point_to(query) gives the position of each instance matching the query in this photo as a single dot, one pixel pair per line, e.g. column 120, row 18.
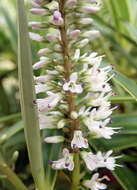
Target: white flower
column 57, row 18
column 78, row 141
column 100, row 99
column 93, row 59
column 64, row 163
column 76, row 55
column 98, row 78
column 100, row 160
column 108, row 161
column 54, row 139
column 102, row 112
column 98, row 128
column 49, row 102
column 36, row 37
column 46, row 122
column 72, row 86
column 40, row 88
column 83, row 112
column 91, row 160
column 94, row 183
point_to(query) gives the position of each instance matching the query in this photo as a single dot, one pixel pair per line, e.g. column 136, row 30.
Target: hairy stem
column 70, row 97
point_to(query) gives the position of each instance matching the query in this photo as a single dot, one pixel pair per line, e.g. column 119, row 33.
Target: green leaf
column 11, row 132
column 10, row 117
column 121, row 99
column 11, row 27
column 131, row 29
column 128, row 121
column 118, row 142
column 122, row 9
column 29, row 110
column 127, row 84
column 126, row 178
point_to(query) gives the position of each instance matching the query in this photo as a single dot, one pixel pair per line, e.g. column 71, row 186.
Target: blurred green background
column 117, row 22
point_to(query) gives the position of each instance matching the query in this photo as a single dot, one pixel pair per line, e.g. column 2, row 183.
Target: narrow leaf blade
column 29, row 110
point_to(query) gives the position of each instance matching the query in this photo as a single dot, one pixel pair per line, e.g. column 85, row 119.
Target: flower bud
column 57, row 19
column 54, row 139
column 60, row 68
column 44, row 51
column 57, row 48
column 51, row 37
column 86, row 21
column 34, row 4
column 74, row 115
column 61, row 124
column 90, row 9
column 39, row 11
column 71, row 3
column 39, row 1
column 74, row 34
column 36, row 37
column 43, row 79
column 91, row 1
column 43, row 61
column 83, row 43
column 92, row 34
column 35, row 25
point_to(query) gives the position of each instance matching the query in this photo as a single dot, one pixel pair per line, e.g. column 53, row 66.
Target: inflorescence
column 74, row 85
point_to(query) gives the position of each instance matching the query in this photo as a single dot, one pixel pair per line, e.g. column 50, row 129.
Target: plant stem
column 76, row 172
column 70, row 96
column 12, row 177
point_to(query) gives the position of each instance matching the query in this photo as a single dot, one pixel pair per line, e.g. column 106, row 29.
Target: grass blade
column 29, row 110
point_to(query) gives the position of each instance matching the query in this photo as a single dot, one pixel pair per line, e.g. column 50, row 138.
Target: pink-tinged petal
column 65, row 152
column 74, row 77
column 57, row 19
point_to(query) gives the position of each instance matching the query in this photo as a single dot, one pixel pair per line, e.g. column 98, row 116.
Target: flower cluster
column 74, row 86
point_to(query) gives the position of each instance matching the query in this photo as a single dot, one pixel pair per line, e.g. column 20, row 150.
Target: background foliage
column 117, row 23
